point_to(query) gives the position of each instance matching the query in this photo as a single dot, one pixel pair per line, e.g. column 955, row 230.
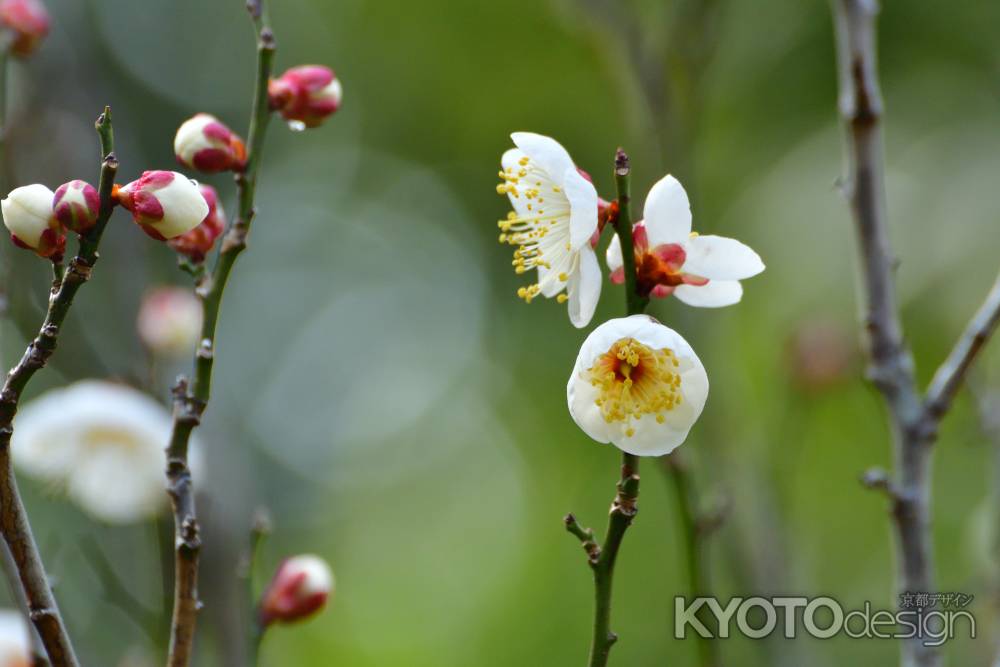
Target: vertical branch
column 623, row 509
column 42, row 608
column 190, row 400
column 890, row 362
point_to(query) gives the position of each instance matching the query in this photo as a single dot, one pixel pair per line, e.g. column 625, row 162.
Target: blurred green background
column 381, row 389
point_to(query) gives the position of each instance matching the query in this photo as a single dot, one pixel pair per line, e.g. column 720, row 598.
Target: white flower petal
column 15, row 639
column 546, row 152
column 667, row 213
column 649, row 437
column 27, row 212
column 721, row 258
column 613, row 255
column 716, row 294
column 584, row 288
column 583, row 208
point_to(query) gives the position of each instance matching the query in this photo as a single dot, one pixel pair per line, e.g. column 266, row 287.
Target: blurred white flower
column 15, row 640
column 103, row 442
column 554, row 218
column 670, row 259
column 637, row 384
column 169, row 321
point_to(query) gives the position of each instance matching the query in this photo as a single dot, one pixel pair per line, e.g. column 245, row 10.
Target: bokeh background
column 382, row 391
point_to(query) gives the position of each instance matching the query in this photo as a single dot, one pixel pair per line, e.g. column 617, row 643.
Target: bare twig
column 43, row 611
column 949, row 376
column 191, row 400
column 116, row 593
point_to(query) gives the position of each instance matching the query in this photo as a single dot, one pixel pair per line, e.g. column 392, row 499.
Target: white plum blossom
column 638, row 385
column 15, row 640
column 104, row 443
column 554, row 219
column 670, row 259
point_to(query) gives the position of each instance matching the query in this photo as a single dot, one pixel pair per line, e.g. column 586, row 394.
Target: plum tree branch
column 42, row 608
column 191, row 399
column 623, row 509
column 914, row 419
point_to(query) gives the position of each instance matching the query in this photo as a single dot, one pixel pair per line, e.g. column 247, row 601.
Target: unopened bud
column 28, row 20
column 198, row 242
column 299, row 589
column 164, row 204
column 169, row 321
column 306, row 94
column 202, row 142
column 27, row 212
column 76, row 205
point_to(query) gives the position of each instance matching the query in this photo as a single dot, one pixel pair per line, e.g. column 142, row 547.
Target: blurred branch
column 116, row 592
column 259, row 530
column 949, row 376
column 623, row 508
column 43, row 611
column 191, row 400
column 696, row 527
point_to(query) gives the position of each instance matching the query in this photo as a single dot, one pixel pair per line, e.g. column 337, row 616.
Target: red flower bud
column 299, row 589
column 202, row 142
column 198, row 242
column 28, row 20
column 306, row 94
column 76, row 205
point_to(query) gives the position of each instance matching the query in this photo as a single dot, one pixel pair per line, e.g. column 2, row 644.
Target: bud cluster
column 37, row 218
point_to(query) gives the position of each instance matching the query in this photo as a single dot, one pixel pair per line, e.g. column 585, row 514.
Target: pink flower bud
column 164, row 204
column 169, row 321
column 202, row 142
column 199, row 241
column 299, row 589
column 306, row 94
column 28, row 20
column 27, row 212
column 76, row 205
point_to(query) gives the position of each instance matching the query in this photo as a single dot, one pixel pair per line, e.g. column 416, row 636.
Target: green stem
column 44, row 612
column 634, row 302
column 190, row 400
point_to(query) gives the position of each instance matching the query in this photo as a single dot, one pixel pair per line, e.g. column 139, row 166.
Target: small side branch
column 42, row 608
column 950, row 375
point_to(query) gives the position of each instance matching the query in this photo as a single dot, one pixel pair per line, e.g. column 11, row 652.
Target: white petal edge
column 716, row 294
column 667, row 213
column 583, row 208
column 546, row 152
column 613, row 255
column 584, row 289
column 721, row 258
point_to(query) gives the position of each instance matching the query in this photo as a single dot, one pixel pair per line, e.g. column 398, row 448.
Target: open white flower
column 670, row 259
column 554, row 218
column 103, row 442
column 637, row 384
column 15, row 640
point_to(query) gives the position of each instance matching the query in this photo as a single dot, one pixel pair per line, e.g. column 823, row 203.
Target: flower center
column 635, row 380
column 539, row 228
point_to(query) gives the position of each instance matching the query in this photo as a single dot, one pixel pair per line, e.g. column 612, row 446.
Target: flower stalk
column 191, row 399
column 42, row 607
column 602, row 557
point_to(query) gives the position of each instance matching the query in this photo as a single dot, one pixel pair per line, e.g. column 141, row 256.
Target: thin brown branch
column 190, row 401
column 42, row 608
column 950, row 375
column 890, row 361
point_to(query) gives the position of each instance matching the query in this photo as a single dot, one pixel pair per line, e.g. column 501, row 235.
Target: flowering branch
column 914, row 418
column 190, row 400
column 43, row 611
column 623, row 509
